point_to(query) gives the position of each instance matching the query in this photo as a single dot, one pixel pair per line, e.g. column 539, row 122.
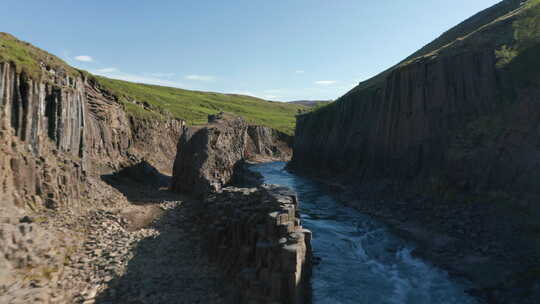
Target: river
column 361, row 261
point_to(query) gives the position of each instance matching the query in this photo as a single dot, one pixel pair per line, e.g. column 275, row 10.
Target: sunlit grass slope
column 156, row 102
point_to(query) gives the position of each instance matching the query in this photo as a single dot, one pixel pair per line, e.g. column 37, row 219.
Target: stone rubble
column 104, row 258
column 156, row 264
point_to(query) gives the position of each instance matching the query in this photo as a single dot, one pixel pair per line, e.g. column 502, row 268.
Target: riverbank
column 483, row 243
column 148, row 250
column 358, row 258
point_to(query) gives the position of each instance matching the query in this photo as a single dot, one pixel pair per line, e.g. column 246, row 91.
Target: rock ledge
column 256, row 236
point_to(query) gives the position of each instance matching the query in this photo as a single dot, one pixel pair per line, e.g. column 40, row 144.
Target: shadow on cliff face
column 168, row 266
column 164, row 262
column 138, row 181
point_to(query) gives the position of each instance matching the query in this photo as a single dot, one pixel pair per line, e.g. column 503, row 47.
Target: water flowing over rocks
column 256, row 236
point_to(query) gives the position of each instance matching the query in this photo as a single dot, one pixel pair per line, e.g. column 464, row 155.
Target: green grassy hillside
column 311, row 103
column 29, row 58
column 153, row 101
column 459, row 36
column 194, row 106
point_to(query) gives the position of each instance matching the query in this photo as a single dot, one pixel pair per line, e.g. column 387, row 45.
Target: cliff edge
column 211, row 157
column 447, row 141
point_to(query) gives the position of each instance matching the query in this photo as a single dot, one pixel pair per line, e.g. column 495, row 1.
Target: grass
column 151, row 101
column 195, row 106
column 28, row 59
column 505, row 55
column 526, row 30
column 478, row 32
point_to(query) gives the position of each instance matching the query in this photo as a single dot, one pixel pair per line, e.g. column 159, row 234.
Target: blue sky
column 279, row 50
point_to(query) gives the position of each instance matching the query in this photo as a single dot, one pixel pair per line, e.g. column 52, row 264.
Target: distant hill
column 310, row 103
column 153, row 100
column 195, row 106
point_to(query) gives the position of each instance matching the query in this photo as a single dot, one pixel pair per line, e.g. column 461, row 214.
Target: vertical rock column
column 256, row 236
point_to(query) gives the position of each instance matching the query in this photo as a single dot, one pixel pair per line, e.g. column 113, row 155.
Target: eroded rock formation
column 58, row 129
column 255, row 234
column 58, row 132
column 453, row 116
column 447, row 141
column 209, row 156
column 267, row 144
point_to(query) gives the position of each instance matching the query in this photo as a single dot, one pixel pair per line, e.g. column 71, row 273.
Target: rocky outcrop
column 58, row 129
column 209, row 156
column 253, row 233
column 256, row 236
column 58, row 133
column 454, row 117
column 447, row 142
column 267, row 144
column 118, row 139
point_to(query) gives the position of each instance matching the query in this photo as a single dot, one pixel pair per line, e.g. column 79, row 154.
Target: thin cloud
column 162, row 74
column 200, row 77
column 299, row 71
column 117, row 74
column 248, row 93
column 326, row 82
column 270, row 97
column 106, row 70
column 84, row 58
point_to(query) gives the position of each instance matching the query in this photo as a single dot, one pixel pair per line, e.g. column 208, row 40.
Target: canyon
column 75, row 168
column 108, row 194
column 444, row 147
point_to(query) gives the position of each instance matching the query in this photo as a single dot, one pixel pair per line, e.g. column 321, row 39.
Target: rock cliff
column 267, row 144
column 255, row 234
column 65, row 135
column 447, row 142
column 452, row 116
column 209, row 156
column 58, row 132
column 57, row 129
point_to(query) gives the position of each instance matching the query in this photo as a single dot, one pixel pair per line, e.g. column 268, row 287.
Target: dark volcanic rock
column 451, row 130
column 452, row 117
column 145, row 174
column 208, row 155
column 212, row 156
column 404, row 128
column 264, row 143
column 57, row 132
column 255, row 234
